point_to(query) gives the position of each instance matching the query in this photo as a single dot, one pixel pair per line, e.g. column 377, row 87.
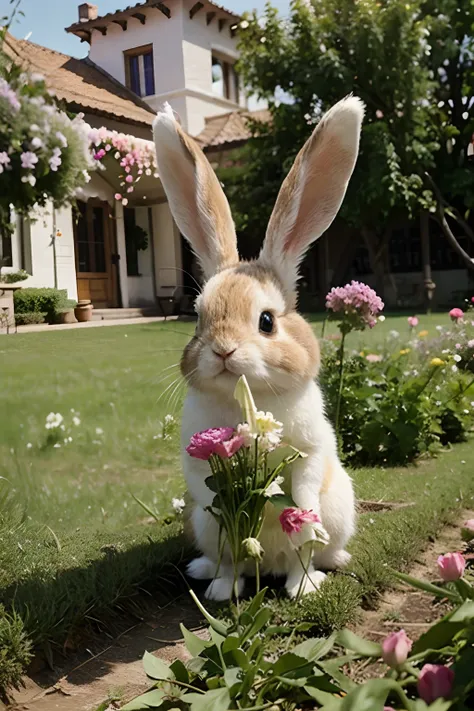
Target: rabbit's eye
column 266, row 323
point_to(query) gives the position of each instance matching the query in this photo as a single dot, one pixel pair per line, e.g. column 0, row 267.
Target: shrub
column 14, row 277
column 15, row 650
column 30, row 317
column 44, row 300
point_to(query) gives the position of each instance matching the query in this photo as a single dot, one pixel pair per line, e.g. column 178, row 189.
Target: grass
column 75, row 544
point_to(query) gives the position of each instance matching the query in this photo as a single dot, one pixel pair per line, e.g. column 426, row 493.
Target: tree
column 382, row 51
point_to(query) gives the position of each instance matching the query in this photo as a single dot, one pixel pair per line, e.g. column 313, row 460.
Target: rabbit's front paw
column 202, row 568
column 304, row 584
column 221, row 588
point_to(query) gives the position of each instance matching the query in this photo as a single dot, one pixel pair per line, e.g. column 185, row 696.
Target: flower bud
column 252, row 548
column 435, row 682
column 395, row 648
column 451, row 566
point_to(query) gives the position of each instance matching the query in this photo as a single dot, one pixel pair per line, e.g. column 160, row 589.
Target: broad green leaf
column 363, row 647
column 233, row 679
column 231, row 642
column 292, row 682
column 260, row 620
column 316, row 648
column 257, row 602
column 194, row 644
column 370, row 696
column 156, row 668
column 427, row 587
column 216, row 625
column 217, row 638
column 441, row 634
column 289, row 662
column 240, row 658
column 281, row 501
column 214, row 700
column 150, row 700
column 179, row 670
column 328, row 701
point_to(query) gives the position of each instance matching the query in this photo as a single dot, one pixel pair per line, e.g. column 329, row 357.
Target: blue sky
column 46, row 19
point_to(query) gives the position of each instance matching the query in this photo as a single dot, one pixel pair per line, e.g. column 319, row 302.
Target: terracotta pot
column 66, row 316
column 83, row 310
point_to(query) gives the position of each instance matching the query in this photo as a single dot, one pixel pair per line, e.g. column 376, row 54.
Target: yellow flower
column 423, row 334
column 437, row 362
column 404, row 351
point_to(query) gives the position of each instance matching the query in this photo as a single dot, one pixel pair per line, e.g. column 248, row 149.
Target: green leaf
column 313, row 649
column 329, row 701
column 214, row 700
column 257, row 602
column 156, row 668
column 150, row 700
column 233, row 679
column 289, row 662
column 216, row 625
column 282, row 501
column 217, row 638
column 370, row 696
column 427, row 587
column 194, row 644
column 300, row 681
column 179, row 670
column 363, row 647
column 441, row 634
column 260, row 620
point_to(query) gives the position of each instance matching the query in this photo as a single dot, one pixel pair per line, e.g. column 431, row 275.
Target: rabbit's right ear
column 196, row 199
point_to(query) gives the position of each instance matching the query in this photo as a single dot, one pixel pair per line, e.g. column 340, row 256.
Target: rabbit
column 248, row 324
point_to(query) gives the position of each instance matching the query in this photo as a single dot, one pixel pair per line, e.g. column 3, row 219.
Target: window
column 131, row 246
column 139, row 70
column 225, row 80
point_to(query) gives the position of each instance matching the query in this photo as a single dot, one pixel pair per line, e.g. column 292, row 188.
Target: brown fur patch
column 328, row 475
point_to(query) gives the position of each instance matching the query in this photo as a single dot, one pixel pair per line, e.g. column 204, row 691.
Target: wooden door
column 93, row 241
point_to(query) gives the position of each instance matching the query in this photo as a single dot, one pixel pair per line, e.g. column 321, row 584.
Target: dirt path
column 117, row 672
column 114, row 672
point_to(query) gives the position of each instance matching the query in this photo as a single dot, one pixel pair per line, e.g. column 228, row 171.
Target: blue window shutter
column 149, row 73
column 135, row 75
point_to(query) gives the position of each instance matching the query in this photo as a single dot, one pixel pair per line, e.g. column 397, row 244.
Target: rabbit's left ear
column 313, row 190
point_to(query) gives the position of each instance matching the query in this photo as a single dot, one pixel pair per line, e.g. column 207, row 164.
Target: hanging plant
column 137, row 236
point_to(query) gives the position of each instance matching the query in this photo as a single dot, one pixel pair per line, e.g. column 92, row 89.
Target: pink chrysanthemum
column 293, row 519
column 355, row 303
column 204, row 444
column 456, row 314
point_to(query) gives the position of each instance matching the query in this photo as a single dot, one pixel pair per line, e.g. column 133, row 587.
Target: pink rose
column 129, row 179
column 99, row 155
column 229, row 447
column 203, row 444
column 467, row 531
column 451, row 566
column 413, row 321
column 472, row 299
column 118, row 196
column 292, row 519
column 435, row 682
column 373, row 358
column 456, row 314
column 395, row 648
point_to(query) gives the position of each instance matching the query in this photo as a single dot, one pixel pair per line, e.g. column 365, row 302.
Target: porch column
column 122, row 252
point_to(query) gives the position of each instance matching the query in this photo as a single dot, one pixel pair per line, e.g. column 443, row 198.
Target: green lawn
column 75, row 543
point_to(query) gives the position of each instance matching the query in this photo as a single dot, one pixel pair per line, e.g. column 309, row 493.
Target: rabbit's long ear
column 313, row 190
column 196, row 199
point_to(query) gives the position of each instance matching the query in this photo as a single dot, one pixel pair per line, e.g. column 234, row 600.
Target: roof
column 83, row 28
column 229, row 129
column 80, row 83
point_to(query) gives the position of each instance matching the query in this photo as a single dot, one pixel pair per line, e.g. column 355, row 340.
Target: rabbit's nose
column 224, row 355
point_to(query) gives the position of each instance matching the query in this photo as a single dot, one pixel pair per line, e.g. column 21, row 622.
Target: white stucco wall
column 167, row 247
column 141, row 290
column 39, row 252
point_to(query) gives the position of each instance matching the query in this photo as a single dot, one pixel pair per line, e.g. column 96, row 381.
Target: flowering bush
column 135, row 157
column 354, row 305
column 234, row 666
column 44, row 155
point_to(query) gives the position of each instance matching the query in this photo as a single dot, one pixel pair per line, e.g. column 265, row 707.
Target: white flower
column 438, row 388
column 57, row 445
column 244, row 24
column 37, row 142
column 178, row 505
column 466, row 412
column 394, row 334
column 169, row 420
column 310, row 533
column 382, row 318
column 454, row 368
column 457, row 358
column 445, row 350
column 438, row 403
column 99, row 431
column 244, row 431
column 252, row 548
column 29, row 445
column 76, row 421
column 274, row 489
column 439, row 328
column 53, row 420
column 29, row 179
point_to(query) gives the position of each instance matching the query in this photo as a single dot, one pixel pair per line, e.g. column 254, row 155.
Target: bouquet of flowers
column 247, row 466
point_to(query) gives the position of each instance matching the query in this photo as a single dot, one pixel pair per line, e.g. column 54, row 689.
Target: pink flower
column 7, row 93
column 55, row 160
column 99, row 155
column 379, row 114
column 467, row 531
column 373, row 358
column 203, row 444
column 118, row 196
column 472, row 299
column 229, row 447
column 356, row 303
column 435, row 682
column 129, row 179
column 470, row 344
column 28, row 160
column 4, row 160
column 413, row 321
column 292, row 519
column 451, row 566
column 395, row 648
column 456, row 314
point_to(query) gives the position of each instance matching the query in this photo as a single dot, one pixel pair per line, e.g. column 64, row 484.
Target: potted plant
column 83, row 310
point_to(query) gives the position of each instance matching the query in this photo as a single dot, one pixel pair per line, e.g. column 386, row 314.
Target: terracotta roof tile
column 228, row 129
column 80, row 82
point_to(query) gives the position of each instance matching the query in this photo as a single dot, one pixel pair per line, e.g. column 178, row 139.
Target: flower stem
column 257, row 576
column 341, row 380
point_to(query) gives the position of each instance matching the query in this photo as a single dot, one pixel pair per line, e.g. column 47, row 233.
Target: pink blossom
column 379, row 114
column 118, row 196
column 130, row 190
column 203, row 444
column 470, row 343
column 457, row 346
column 355, row 302
column 28, row 160
column 129, row 179
column 373, row 358
column 99, row 155
column 4, row 160
column 456, row 314
column 55, row 160
column 435, row 682
column 9, row 94
column 293, row 519
column 413, row 321
column 395, row 648
column 62, row 139
column 451, row 566
column 229, row 447
column 472, row 299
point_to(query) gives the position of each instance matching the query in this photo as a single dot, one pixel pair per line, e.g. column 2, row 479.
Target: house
column 179, row 51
